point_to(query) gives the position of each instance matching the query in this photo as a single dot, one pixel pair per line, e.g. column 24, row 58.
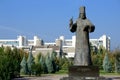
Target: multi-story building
column 61, row 45
column 38, row 45
column 68, row 45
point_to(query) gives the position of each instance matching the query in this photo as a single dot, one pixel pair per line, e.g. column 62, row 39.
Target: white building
column 67, row 45
column 102, row 41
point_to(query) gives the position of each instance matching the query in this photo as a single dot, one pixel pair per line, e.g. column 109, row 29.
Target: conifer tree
column 30, row 62
column 43, row 65
column 107, row 66
column 53, row 58
column 117, row 65
column 23, row 64
column 117, row 61
column 37, row 59
column 49, row 64
column 9, row 63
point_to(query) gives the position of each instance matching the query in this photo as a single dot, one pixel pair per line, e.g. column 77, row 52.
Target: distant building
column 61, row 45
column 102, row 41
column 68, row 45
column 38, row 45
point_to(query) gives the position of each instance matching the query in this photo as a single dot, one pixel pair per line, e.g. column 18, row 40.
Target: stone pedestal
column 83, row 73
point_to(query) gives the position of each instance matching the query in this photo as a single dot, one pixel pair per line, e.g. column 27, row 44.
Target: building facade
column 68, row 45
column 61, row 45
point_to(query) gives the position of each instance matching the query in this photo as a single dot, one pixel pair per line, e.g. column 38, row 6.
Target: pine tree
column 117, row 66
column 49, row 64
column 43, row 65
column 66, row 63
column 107, row 66
column 30, row 62
column 36, row 69
column 53, row 58
column 23, row 64
column 9, row 63
column 117, row 61
column 37, row 59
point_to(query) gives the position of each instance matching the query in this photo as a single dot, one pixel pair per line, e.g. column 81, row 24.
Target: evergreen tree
column 49, row 64
column 43, row 65
column 16, row 60
column 61, row 62
column 117, row 65
column 23, row 64
column 37, row 59
column 53, row 58
column 9, row 63
column 30, row 62
column 36, row 69
column 117, row 61
column 98, row 56
column 107, row 66
column 66, row 63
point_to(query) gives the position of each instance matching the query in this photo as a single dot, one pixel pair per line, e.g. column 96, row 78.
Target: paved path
column 47, row 77
column 57, row 77
column 112, row 77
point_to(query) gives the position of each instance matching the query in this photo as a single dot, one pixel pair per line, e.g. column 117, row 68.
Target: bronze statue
column 82, row 49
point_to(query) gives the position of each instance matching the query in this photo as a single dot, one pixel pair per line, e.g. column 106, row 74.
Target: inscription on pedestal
column 84, row 71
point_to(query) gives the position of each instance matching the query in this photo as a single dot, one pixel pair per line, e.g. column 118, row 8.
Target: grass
column 101, row 73
column 65, row 72
column 105, row 73
column 62, row 72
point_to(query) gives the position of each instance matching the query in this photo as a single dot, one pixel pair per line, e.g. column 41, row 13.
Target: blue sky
column 49, row 19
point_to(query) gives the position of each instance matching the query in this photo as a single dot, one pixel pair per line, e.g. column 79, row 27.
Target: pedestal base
column 83, row 73
column 84, row 78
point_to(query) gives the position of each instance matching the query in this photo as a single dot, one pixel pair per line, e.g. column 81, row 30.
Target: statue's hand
column 72, row 25
column 71, row 22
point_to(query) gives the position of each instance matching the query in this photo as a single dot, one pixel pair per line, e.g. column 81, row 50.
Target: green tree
column 66, row 63
column 16, row 61
column 30, row 62
column 36, row 68
column 5, row 68
column 38, row 57
column 97, row 60
column 49, row 64
column 101, row 50
column 117, row 60
column 107, row 66
column 22, row 53
column 54, row 58
column 43, row 65
column 97, row 57
column 9, row 63
column 24, row 68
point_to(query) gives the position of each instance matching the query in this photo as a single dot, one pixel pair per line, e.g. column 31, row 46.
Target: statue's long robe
column 82, row 48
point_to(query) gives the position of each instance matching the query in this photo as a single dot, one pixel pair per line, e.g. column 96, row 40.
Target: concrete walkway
column 57, row 77
column 43, row 77
column 112, row 77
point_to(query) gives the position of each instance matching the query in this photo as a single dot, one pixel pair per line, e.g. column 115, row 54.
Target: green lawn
column 62, row 72
column 112, row 73
column 101, row 72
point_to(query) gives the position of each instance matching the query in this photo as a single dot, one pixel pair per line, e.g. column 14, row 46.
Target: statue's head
column 82, row 14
